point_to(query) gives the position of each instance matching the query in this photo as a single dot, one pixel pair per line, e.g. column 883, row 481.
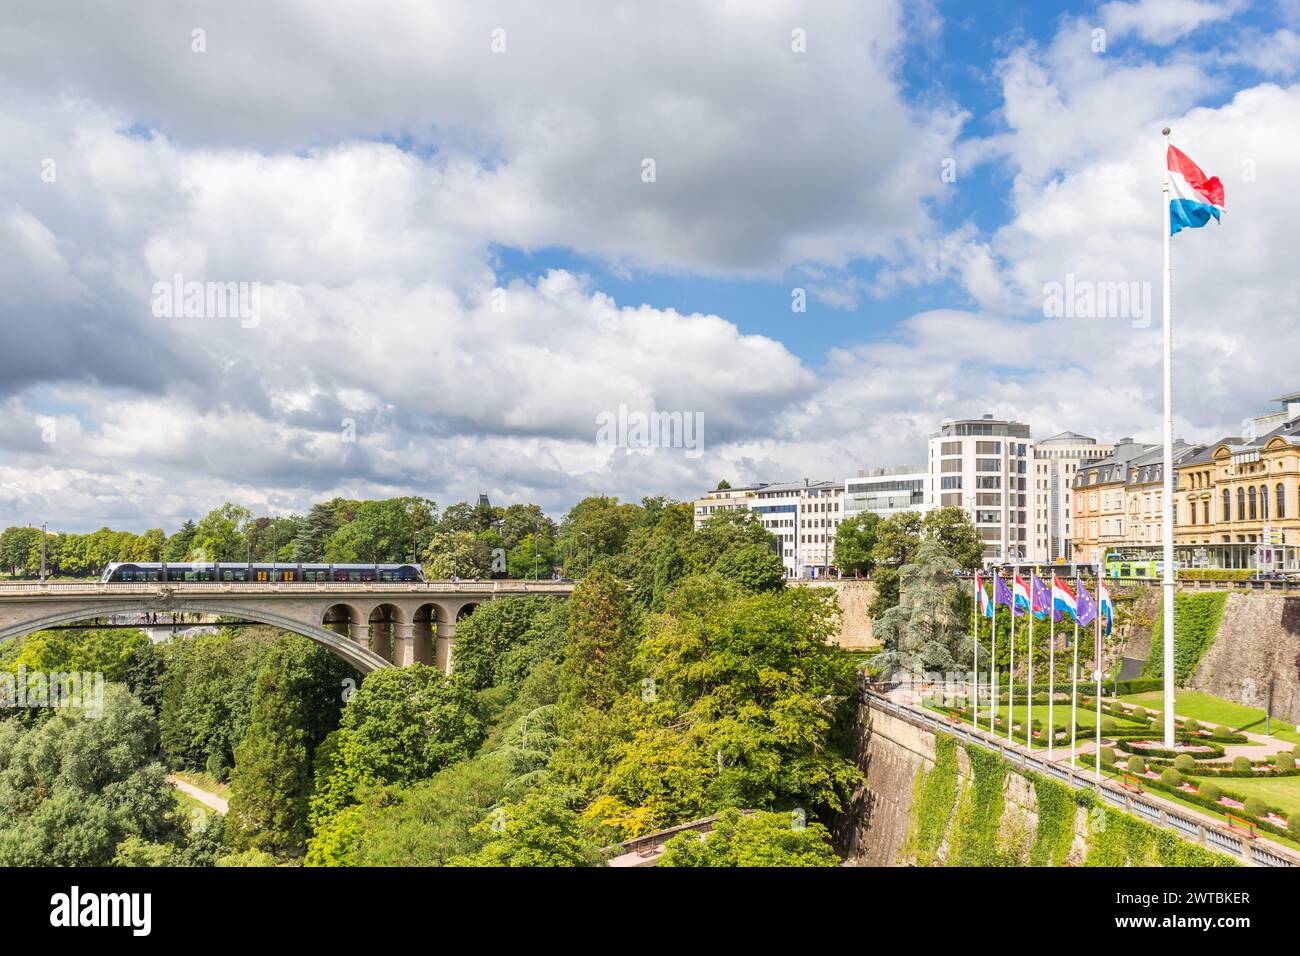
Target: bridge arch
column 360, row 657
column 385, row 624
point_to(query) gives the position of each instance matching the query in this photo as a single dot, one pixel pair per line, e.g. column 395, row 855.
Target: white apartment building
column 1056, row 462
column 984, row 465
column 888, row 491
column 804, row 516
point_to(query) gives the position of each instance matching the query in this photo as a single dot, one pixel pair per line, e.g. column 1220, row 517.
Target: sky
column 467, row 233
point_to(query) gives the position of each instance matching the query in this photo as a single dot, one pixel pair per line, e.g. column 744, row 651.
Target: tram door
column 263, row 576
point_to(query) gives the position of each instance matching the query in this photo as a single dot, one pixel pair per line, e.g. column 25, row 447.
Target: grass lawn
column 1209, row 709
column 1061, row 715
column 1280, row 792
column 1227, row 783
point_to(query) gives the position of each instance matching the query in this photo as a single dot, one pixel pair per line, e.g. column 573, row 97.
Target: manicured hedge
column 1215, row 752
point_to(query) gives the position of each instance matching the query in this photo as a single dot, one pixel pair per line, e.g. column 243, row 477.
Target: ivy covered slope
column 1196, row 625
column 968, row 821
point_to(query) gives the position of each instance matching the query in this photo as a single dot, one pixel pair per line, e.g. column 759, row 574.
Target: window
column 988, row 448
column 1263, row 502
column 1227, row 505
column 988, row 464
column 1281, row 500
column 1205, row 512
column 950, row 448
column 1241, row 504
column 1254, row 513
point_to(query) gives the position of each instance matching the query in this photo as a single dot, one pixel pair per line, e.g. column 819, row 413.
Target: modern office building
column 887, row 491
column 984, row 465
column 804, row 516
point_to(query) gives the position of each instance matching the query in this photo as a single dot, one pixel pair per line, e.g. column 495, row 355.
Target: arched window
column 1263, row 502
column 1253, row 513
column 1241, row 504
column 1281, row 500
column 1205, row 511
column 1227, row 505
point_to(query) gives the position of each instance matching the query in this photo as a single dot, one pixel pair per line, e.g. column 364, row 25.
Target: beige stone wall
column 853, row 597
column 1259, row 637
column 891, row 752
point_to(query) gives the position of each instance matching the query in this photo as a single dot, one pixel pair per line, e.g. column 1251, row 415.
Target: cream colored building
column 1056, row 463
column 1244, row 491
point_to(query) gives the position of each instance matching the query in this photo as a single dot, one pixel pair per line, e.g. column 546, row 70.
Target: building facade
column 984, row 466
column 887, row 491
column 1118, row 501
column 1239, row 499
column 804, row 516
column 1056, row 463
column 723, row 499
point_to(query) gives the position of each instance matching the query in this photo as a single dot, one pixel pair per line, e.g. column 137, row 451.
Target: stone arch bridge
column 368, row 625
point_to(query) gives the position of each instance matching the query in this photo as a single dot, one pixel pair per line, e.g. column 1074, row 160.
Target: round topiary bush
column 1156, row 726
column 1171, row 777
column 1284, row 761
column 1185, row 763
column 1136, row 764
column 1192, row 727
column 1107, row 725
column 1222, row 731
column 1211, row 791
column 1108, row 756
column 1241, row 764
column 1293, row 826
column 1139, row 714
column 1255, row 807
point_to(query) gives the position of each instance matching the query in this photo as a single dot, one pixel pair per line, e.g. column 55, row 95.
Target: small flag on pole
column 1002, row 594
column 1042, row 597
column 1021, row 595
column 1062, row 598
column 985, row 605
column 1107, row 609
column 1087, row 606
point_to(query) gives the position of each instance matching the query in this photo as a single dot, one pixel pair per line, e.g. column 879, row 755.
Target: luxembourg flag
column 1020, row 591
column 985, row 605
column 1103, row 599
column 1193, row 198
column 1062, row 597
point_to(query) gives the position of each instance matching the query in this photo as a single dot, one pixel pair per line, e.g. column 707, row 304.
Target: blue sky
column 455, row 249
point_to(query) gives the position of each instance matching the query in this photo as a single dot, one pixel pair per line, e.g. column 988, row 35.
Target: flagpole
column 1074, row 677
column 993, row 645
column 1029, row 694
column 1096, row 647
column 1051, row 667
column 975, row 668
column 1167, row 516
column 1011, row 671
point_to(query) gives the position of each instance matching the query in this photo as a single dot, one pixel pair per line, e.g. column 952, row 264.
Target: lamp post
column 43, row 533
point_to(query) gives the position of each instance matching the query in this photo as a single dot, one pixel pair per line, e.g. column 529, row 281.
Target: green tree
column 758, row 839
column 271, row 779
column 538, row 831
column 222, row 534
column 855, row 541
column 410, row 722
column 925, row 630
column 602, row 639
column 953, row 530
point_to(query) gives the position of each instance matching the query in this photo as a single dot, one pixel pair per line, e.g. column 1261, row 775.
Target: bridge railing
column 1191, row 827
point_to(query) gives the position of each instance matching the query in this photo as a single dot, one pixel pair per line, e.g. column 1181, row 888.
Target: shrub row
column 1214, row 753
